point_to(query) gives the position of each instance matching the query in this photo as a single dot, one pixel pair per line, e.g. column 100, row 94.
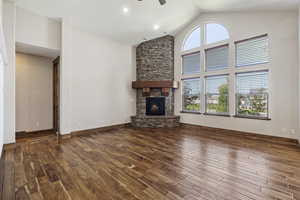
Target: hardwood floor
column 161, row 164
column 36, row 135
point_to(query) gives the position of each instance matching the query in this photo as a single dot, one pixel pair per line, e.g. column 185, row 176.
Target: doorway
column 37, row 96
column 56, row 95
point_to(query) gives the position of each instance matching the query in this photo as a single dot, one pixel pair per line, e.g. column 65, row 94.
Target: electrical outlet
column 293, row 131
column 37, row 124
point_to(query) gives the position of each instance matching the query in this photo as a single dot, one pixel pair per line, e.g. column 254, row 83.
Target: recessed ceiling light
column 125, row 10
column 156, row 27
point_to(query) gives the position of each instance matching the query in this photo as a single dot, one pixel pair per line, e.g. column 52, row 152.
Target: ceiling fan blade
column 162, row 2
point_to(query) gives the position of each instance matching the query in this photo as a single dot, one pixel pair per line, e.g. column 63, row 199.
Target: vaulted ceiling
column 107, row 17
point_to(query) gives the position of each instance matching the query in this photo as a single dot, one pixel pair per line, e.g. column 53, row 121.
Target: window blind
column 252, row 97
column 252, row 82
column 191, row 63
column 217, row 58
column 252, row 51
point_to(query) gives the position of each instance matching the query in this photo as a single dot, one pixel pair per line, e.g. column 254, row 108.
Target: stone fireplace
column 155, row 84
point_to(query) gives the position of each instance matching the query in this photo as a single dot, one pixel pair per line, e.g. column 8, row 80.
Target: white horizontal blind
column 252, row 51
column 252, row 97
column 216, row 58
column 191, row 63
column 252, row 82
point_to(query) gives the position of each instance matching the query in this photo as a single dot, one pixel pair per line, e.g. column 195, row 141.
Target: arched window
column 209, row 78
column 193, row 40
column 207, row 55
column 215, row 33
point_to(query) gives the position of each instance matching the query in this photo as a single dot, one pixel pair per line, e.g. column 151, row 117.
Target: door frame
column 56, row 95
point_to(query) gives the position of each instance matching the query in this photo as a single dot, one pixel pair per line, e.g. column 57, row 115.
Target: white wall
column 299, row 73
column 34, row 93
column 283, row 34
column 96, row 81
column 1, row 80
column 1, row 102
column 37, row 30
column 9, row 72
column 65, row 77
column 101, row 82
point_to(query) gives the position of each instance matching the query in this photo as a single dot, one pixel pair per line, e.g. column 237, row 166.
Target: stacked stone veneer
column 155, row 62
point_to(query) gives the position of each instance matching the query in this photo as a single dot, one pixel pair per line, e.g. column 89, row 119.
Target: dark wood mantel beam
column 154, row 84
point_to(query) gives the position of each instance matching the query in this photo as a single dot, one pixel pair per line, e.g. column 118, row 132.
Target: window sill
column 249, row 117
column 216, row 114
column 191, row 112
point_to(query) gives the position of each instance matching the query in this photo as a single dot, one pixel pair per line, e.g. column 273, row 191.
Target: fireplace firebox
column 155, row 106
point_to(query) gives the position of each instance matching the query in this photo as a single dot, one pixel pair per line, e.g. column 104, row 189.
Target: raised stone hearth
column 155, row 121
column 155, row 67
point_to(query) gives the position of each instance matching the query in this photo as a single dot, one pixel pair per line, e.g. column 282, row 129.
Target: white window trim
column 236, row 88
column 231, row 70
column 187, row 37
column 201, row 94
column 205, row 93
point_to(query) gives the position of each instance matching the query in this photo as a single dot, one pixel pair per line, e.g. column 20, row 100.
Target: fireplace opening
column 155, row 105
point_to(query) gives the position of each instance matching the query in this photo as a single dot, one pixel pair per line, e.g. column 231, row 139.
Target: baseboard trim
column 272, row 139
column 9, row 146
column 94, row 131
column 33, row 132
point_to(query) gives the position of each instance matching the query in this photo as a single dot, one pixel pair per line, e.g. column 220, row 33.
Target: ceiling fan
column 162, row 2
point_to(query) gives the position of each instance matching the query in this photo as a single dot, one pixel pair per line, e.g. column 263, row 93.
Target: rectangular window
column 252, row 94
column 191, row 63
column 252, row 51
column 191, row 95
column 216, row 58
column 217, row 95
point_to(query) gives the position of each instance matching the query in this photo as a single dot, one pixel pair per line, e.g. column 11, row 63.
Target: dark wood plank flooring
column 160, row 164
column 29, row 136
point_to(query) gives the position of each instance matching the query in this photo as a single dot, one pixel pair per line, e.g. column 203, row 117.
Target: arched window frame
column 187, row 37
column 230, row 71
column 203, row 46
column 220, row 41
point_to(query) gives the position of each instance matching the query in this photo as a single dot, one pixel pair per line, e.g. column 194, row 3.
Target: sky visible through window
column 193, row 41
column 215, row 33
column 213, row 84
column 193, row 85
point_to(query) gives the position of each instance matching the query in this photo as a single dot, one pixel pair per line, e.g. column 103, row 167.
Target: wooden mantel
column 154, row 84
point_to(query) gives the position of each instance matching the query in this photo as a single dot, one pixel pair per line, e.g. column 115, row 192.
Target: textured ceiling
column 105, row 17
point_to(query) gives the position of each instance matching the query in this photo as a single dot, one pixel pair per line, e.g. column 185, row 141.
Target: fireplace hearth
column 155, row 106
